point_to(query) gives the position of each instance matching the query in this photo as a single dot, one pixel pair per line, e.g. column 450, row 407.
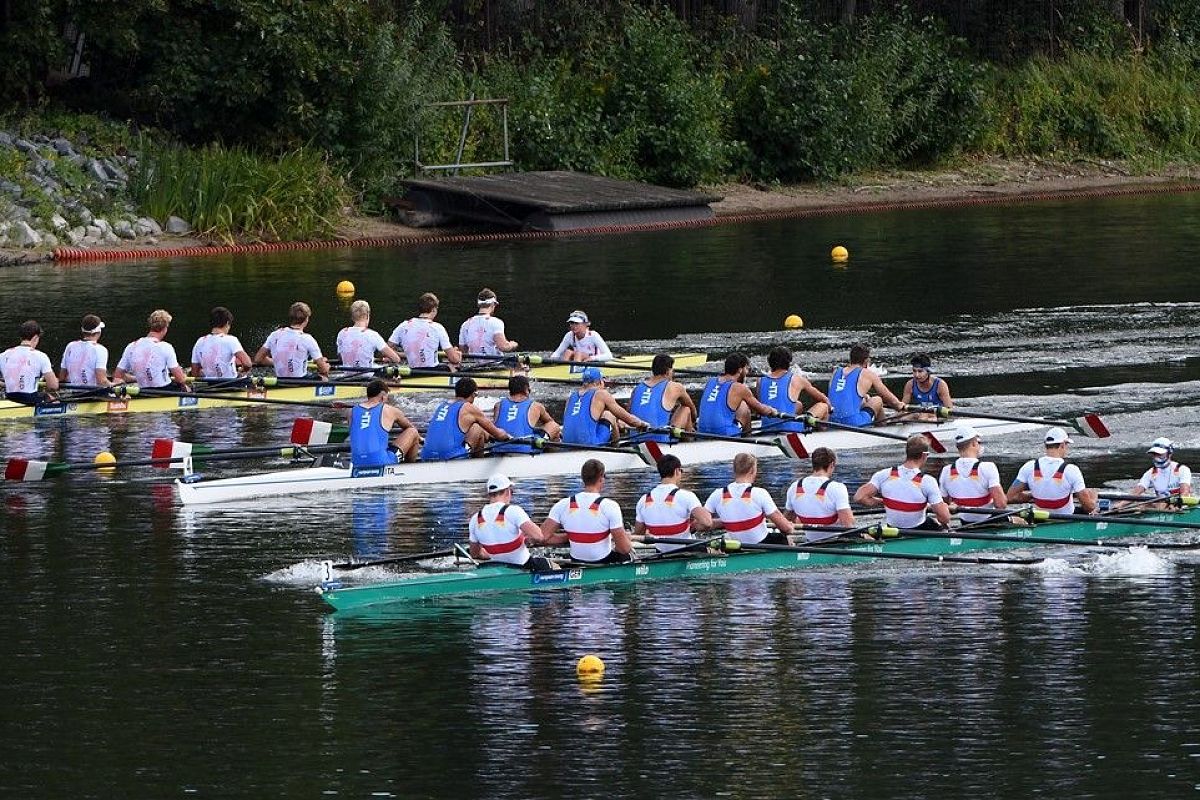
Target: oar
column 232, row 398
column 920, row 533
column 352, row 565
column 790, row 443
column 613, row 363
column 543, row 443
column 1041, row 515
column 689, row 545
column 1089, row 424
column 165, row 452
column 20, row 469
column 734, row 544
column 808, row 419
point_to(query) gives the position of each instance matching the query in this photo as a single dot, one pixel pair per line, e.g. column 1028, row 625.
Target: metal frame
column 468, row 107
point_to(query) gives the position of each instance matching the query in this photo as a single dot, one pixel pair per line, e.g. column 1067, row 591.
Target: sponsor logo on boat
column 575, row 369
column 256, row 394
column 118, row 405
column 189, row 402
column 324, row 391
column 955, row 541
column 543, row 578
column 50, row 411
column 641, row 569
column 368, row 472
column 802, row 556
column 706, row 564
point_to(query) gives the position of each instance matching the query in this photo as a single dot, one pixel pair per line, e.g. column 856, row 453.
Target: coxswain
column 668, row 511
column 817, row 499
column 380, row 434
column 923, row 389
column 1052, row 484
column 589, row 522
column 726, row 402
column 501, row 531
column 592, row 415
column 970, row 483
column 849, row 387
column 422, row 337
column 744, row 509
column 1165, row 476
column 150, row 361
column 906, row 493
column 483, row 334
column 289, row 349
column 22, row 366
column 358, row 344
column 523, row 418
column 662, row 401
column 219, row 355
column 581, row 343
column 458, row 428
column 783, row 389
column 85, row 361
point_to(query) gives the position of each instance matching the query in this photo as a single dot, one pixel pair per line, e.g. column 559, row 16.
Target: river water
column 152, row 652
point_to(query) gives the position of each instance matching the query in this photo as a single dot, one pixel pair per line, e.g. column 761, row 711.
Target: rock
column 114, row 172
column 50, row 240
column 109, row 237
column 58, row 222
column 145, row 226
column 76, row 234
column 177, row 226
column 26, row 147
column 124, row 229
column 63, row 147
column 96, row 170
column 10, row 188
column 82, row 215
column 93, row 231
column 5, row 140
column 24, row 236
column 103, row 225
column 90, row 241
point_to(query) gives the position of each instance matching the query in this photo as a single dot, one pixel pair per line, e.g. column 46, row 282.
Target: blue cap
column 590, row 375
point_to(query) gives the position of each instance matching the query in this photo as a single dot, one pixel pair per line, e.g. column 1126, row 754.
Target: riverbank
column 968, row 181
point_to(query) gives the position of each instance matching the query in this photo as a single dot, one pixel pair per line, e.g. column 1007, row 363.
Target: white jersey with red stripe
column 817, row 499
column 81, row 359
column 477, row 336
column 357, row 346
column 497, row 529
column 587, row 518
column 149, row 361
column 290, row 351
column 22, row 367
column 743, row 510
column 215, row 355
column 421, row 338
column 907, row 494
column 1053, row 483
column 968, row 483
column 591, row 345
column 666, row 511
column 1166, row 480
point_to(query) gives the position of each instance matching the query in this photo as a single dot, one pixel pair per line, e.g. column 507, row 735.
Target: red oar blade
column 651, row 452
column 308, row 431
column 1091, row 425
column 935, row 444
column 793, row 446
column 20, row 469
column 169, row 448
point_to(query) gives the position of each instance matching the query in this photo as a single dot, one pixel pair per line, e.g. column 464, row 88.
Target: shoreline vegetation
column 294, row 124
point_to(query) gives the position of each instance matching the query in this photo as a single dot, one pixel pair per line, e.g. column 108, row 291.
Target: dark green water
column 155, row 653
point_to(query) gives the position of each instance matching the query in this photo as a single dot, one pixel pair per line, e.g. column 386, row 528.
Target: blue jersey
column 646, row 402
column 715, row 414
column 578, row 425
column 929, row 398
column 514, row 418
column 368, row 438
column 445, row 439
column 844, row 399
column 774, row 392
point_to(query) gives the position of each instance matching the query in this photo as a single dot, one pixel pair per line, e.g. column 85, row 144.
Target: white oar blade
column 1092, row 426
column 307, row 431
column 20, row 469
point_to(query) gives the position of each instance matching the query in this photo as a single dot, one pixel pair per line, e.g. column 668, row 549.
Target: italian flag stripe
column 308, row 431
column 20, row 469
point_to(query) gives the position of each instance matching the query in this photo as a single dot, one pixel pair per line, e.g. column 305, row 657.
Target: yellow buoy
column 839, row 253
column 345, row 287
column 793, row 321
column 105, row 457
column 590, row 666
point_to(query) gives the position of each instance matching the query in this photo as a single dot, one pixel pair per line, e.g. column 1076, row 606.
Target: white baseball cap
column 579, row 316
column 1057, row 436
column 965, row 433
column 498, row 483
column 1161, row 446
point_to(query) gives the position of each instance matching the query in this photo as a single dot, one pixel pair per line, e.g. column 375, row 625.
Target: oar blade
column 22, row 469
column 1092, row 426
column 169, row 448
column 650, row 452
column 935, row 444
column 308, row 431
column 792, row 446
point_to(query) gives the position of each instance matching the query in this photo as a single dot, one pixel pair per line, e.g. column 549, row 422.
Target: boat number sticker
column 955, row 541
column 118, row 405
column 575, row 575
column 189, row 402
column 802, row 556
column 324, row 391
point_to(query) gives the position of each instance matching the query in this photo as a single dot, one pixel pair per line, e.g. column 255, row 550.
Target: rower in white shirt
column 581, row 343
column 289, row 349
column 218, row 355
column 1052, row 484
column 590, row 522
column 150, row 361
column 422, row 336
column 906, row 492
column 744, row 509
column 1165, row 476
column 968, row 482
column 358, row 344
column 668, row 511
column 22, row 366
column 483, row 334
column 817, row 499
column 501, row 531
column 85, row 361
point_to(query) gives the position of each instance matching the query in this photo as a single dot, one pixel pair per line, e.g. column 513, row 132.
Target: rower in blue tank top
column 848, row 391
column 523, row 418
column 782, row 389
column 727, row 401
column 459, row 428
column 923, row 389
column 592, row 415
column 662, row 401
column 372, row 423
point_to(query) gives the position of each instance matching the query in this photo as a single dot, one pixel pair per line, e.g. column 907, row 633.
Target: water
column 153, row 652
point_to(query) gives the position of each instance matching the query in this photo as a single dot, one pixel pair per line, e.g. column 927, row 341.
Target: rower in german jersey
column 662, row 401
column 581, row 343
column 23, row 366
column 523, row 418
column 744, row 509
column 483, row 334
column 357, row 344
column 85, row 361
column 783, row 390
column 818, row 499
column 849, row 391
column 1050, row 482
column 925, row 389
column 501, row 531
column 380, row 434
column 668, row 511
column 219, row 355
column 968, row 482
column 593, row 416
column 151, row 361
column 458, row 428
column 289, row 349
column 1166, row 477
column 423, row 336
column 726, row 402
column 589, row 522
column 906, row 493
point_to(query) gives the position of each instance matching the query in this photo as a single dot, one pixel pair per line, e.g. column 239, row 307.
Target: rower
column 422, row 336
column 483, row 334
column 373, row 423
column 501, row 531
column 906, row 492
column 662, row 401
column 970, row 483
column 744, row 509
column 593, row 416
column 151, row 361
column 590, row 522
column 358, row 344
column 289, row 348
column 783, row 389
column 668, row 511
column 523, row 418
column 727, row 401
column 817, row 499
column 923, row 389
column 85, row 361
column 458, row 428
column 581, row 343
column 1050, row 483
column 1165, row 476
column 22, row 366
column 219, row 355
column 848, row 390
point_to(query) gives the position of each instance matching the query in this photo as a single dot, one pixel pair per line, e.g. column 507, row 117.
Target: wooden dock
column 552, row 201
